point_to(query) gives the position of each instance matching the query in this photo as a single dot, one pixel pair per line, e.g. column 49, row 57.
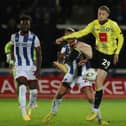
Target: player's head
column 25, row 23
column 68, row 31
column 103, row 13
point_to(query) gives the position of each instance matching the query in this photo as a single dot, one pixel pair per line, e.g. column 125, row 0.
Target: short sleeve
column 37, row 41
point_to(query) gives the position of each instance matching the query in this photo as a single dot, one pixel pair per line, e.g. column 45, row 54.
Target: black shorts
column 101, row 60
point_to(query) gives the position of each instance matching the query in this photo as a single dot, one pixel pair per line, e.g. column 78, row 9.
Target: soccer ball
column 90, row 74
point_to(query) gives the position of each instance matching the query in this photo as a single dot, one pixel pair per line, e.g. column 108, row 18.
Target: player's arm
column 75, row 35
column 38, row 61
column 11, row 60
column 120, row 40
column 7, row 50
column 12, row 55
column 59, row 64
column 34, row 55
column 12, row 49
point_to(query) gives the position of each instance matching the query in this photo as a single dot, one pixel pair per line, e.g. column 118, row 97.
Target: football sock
column 99, row 116
column 98, row 98
column 32, row 97
column 22, row 99
column 55, row 105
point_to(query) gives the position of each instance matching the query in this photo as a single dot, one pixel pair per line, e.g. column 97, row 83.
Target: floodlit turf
column 71, row 113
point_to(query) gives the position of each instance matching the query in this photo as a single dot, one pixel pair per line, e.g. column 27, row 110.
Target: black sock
column 98, row 98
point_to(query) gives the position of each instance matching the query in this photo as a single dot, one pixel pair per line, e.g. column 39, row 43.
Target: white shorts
column 25, row 71
column 73, row 78
column 80, row 82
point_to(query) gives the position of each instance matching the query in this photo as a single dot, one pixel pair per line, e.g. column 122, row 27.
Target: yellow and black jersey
column 109, row 38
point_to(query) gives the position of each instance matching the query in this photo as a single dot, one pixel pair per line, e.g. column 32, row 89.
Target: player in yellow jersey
column 79, row 68
column 109, row 41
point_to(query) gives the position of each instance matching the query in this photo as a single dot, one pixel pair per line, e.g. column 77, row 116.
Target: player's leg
column 101, row 76
column 32, row 96
column 56, row 102
column 89, row 93
column 32, row 84
column 85, row 85
column 102, row 62
column 85, row 49
column 87, row 89
column 22, row 82
column 63, row 89
column 65, row 85
column 100, row 120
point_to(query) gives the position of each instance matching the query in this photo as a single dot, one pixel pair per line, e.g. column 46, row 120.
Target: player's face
column 102, row 15
column 25, row 25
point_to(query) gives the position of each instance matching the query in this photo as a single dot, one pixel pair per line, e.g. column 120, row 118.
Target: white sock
column 32, row 97
column 55, row 105
column 95, row 110
column 22, row 98
column 99, row 116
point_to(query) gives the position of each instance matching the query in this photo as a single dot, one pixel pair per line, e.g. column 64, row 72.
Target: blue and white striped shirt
column 24, row 48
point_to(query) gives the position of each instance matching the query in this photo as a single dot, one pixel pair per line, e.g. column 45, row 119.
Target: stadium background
column 50, row 18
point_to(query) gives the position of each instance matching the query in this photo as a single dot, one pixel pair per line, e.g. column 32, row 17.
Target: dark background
column 50, row 17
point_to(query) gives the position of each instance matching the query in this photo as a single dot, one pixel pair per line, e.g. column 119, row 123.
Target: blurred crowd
column 43, row 23
column 83, row 11
column 46, row 14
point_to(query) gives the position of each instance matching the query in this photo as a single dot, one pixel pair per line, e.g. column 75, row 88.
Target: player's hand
column 37, row 73
column 59, row 40
column 115, row 59
column 60, row 66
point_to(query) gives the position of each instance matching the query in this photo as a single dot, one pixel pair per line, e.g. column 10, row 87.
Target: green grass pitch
column 71, row 113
